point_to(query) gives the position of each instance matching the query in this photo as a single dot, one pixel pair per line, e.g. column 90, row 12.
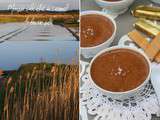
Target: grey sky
column 73, row 4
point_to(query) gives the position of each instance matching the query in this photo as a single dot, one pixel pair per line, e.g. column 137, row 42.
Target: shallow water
column 34, row 31
column 37, row 43
column 13, row 54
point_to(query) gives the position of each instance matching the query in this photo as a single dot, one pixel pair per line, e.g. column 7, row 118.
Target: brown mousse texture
column 119, row 70
column 95, row 29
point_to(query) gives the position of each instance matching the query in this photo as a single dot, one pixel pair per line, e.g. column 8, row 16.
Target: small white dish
column 126, row 94
column 89, row 52
column 114, row 7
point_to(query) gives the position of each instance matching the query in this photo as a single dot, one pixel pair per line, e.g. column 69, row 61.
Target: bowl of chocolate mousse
column 115, row 6
column 97, row 31
column 120, row 72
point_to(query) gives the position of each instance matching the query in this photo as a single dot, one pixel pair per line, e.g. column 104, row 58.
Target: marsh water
column 22, row 43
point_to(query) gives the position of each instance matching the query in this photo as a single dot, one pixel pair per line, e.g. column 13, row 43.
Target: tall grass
column 41, row 92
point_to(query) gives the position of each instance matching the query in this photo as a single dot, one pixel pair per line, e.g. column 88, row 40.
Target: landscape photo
column 39, row 71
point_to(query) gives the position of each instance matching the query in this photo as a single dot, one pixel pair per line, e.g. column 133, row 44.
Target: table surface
column 122, row 27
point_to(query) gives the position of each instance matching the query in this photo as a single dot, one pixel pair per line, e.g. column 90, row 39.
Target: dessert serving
column 95, row 29
column 97, row 32
column 115, row 6
column 119, row 69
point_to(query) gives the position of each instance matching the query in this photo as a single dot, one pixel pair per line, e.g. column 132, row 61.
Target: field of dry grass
column 41, row 92
column 38, row 17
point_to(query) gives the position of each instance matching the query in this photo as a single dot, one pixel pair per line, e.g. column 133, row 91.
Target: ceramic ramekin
column 126, row 94
column 91, row 51
column 116, row 6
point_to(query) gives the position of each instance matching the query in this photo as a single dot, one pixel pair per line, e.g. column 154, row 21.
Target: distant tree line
column 25, row 11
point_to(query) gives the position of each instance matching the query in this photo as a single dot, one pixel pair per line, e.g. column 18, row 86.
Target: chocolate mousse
column 95, row 29
column 119, row 70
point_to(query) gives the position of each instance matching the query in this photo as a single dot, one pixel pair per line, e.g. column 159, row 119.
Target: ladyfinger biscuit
column 156, row 43
column 138, row 38
column 147, row 27
column 157, row 58
column 151, row 49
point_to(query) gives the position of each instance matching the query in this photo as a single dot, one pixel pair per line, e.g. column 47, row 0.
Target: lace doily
column 138, row 107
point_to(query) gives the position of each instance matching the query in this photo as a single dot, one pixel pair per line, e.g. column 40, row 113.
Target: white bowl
column 91, row 51
column 116, row 6
column 126, row 94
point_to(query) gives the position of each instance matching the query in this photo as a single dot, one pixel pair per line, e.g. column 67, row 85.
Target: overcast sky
column 73, row 4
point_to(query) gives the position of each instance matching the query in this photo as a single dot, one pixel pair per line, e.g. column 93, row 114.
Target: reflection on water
column 13, row 54
column 30, row 32
column 25, row 43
